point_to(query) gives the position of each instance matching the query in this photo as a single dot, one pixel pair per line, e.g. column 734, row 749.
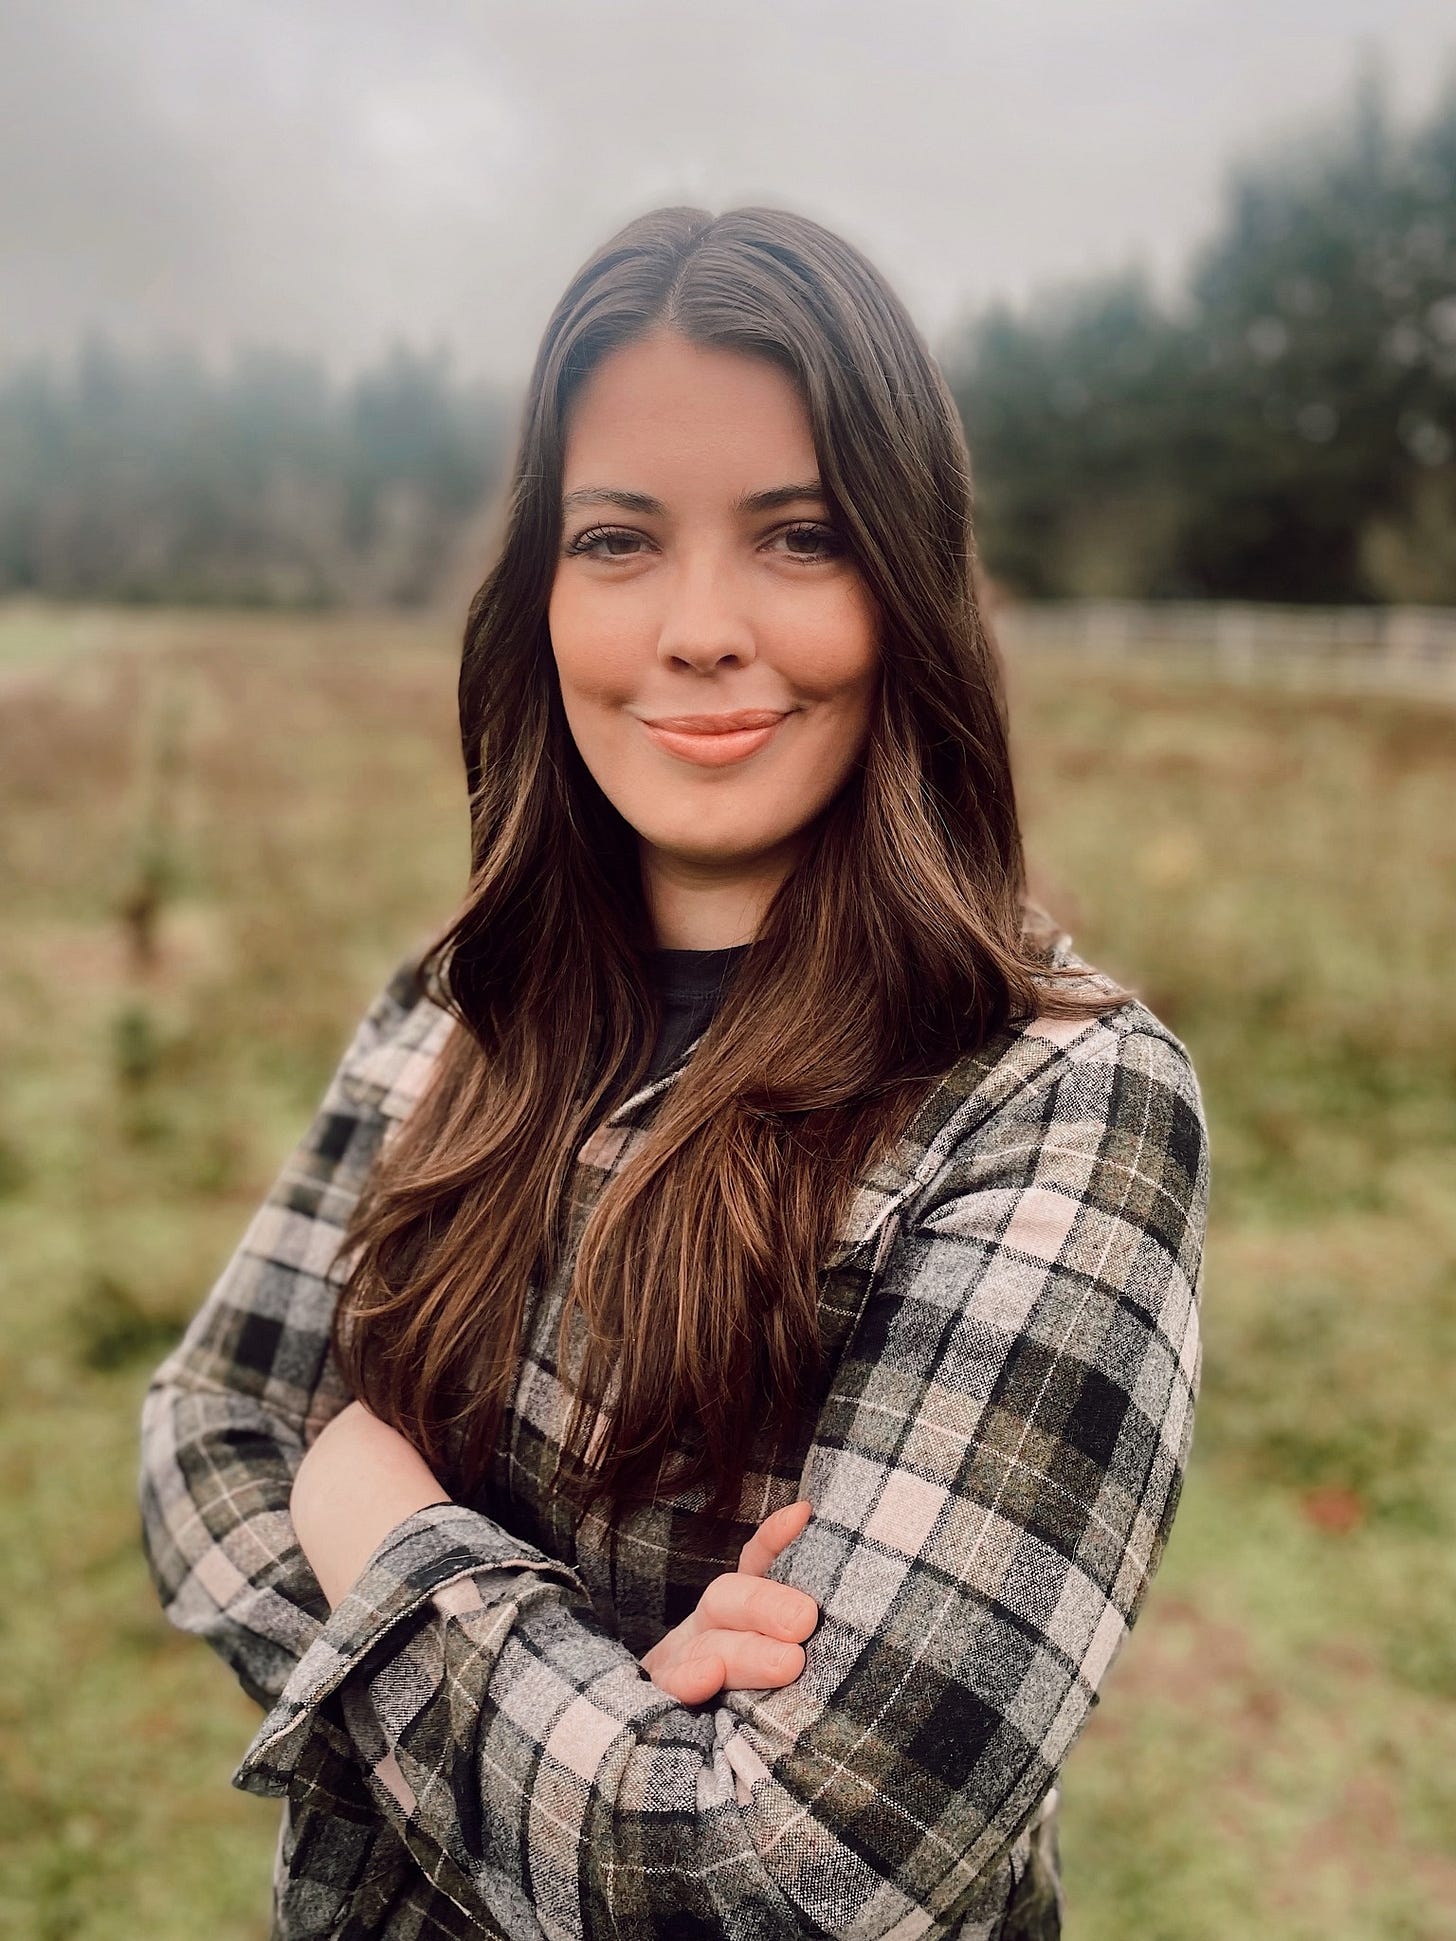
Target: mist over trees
column 154, row 479
column 1285, row 430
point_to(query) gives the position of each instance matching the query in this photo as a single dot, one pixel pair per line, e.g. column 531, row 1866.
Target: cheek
column 832, row 655
column 596, row 660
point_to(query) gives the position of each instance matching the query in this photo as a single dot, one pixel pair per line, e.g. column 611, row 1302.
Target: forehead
column 665, row 407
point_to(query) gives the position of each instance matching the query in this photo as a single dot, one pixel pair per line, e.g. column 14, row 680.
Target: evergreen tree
column 1289, row 434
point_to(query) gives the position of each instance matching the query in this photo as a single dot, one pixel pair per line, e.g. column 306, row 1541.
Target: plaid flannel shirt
column 468, row 1744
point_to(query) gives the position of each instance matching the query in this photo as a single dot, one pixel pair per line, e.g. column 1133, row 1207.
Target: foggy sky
column 329, row 175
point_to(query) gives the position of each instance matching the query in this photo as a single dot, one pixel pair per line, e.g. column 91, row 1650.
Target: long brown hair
column 901, row 941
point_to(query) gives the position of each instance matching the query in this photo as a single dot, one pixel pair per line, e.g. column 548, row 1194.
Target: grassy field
column 216, row 836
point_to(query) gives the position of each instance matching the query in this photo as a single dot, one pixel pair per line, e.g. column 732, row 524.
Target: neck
column 694, row 907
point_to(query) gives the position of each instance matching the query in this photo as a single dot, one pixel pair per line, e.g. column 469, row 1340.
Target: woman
column 758, row 1393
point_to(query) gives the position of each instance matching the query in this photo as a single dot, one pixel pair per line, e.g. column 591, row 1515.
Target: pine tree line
column 1285, row 430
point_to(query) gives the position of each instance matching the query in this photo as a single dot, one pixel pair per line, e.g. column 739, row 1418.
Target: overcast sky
column 332, row 174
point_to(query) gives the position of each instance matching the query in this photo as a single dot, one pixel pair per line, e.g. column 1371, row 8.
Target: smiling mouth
column 715, row 740
column 717, row 724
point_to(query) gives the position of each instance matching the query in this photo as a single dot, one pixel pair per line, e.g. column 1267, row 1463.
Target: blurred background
column 270, row 280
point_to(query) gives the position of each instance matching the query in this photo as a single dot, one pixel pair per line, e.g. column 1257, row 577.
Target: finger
column 691, row 1680
column 737, row 1661
column 734, row 1602
column 773, row 1536
column 752, row 1663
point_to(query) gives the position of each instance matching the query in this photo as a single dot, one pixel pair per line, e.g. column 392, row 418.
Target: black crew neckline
column 692, row 973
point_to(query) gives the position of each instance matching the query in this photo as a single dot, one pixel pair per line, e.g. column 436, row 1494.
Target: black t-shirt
column 690, row 982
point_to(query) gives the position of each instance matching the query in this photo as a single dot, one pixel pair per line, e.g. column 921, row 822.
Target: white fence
column 1368, row 649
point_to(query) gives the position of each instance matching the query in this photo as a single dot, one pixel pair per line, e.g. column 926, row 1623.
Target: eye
column 810, row 543
column 604, row 542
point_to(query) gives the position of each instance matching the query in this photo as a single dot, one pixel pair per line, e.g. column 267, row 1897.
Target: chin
column 703, row 849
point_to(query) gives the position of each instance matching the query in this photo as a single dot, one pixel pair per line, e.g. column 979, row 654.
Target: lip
column 717, row 724
column 715, row 740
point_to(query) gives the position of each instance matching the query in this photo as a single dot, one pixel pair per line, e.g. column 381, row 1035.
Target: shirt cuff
column 431, row 1548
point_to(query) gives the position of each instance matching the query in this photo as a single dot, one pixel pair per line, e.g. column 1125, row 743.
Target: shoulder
column 1085, row 1144
column 1129, row 1041
column 396, row 1042
column 1120, row 1087
column 1105, row 1108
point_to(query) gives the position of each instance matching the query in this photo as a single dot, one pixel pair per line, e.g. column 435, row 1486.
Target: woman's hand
column 358, row 1479
column 747, row 1632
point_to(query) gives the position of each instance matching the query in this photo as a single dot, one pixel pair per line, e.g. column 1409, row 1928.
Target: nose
column 704, row 624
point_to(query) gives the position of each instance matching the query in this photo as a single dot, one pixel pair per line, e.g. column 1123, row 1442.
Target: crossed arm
column 361, row 1478
column 358, row 1480
column 993, row 1477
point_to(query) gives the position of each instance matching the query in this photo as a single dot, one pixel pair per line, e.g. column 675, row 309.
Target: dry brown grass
column 274, row 809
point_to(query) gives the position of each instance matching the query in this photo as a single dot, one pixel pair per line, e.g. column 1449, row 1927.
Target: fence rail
column 1365, row 649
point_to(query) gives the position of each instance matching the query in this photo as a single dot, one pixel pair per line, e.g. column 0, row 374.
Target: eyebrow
column 768, row 501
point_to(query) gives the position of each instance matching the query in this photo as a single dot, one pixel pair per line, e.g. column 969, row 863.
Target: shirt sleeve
column 994, row 1475
column 228, row 1414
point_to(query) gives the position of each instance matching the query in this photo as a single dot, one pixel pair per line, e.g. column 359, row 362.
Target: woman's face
column 699, row 581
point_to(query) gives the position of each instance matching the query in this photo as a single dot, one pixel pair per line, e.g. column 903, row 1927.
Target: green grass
column 216, row 835
column 1276, row 1750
